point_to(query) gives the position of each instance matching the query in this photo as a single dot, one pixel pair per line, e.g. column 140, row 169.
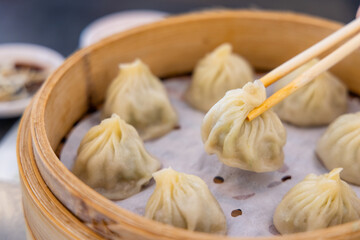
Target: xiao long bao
column 254, row 146
column 317, row 103
column 185, row 201
column 215, row 74
column 139, row 98
column 317, row 202
column 339, row 147
column 113, row 161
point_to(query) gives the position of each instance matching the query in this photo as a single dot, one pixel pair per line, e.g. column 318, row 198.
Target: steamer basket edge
column 45, row 216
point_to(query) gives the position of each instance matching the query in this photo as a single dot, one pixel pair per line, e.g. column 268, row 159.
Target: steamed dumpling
column 215, row 74
column 184, row 201
column 139, row 98
column 112, row 159
column 317, row 202
column 255, row 146
column 339, row 147
column 318, row 103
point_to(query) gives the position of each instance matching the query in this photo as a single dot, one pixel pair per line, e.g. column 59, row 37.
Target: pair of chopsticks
column 348, row 47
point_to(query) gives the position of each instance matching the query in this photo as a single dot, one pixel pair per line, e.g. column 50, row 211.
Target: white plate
column 43, row 56
column 117, row 22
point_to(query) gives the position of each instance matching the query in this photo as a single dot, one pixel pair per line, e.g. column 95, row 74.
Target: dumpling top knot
column 334, row 174
column 112, row 127
column 221, row 53
column 329, row 182
column 215, row 74
column 236, row 104
column 168, row 176
column 134, row 68
column 254, row 93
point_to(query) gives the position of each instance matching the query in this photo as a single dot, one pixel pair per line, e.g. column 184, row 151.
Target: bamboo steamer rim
column 35, row 191
column 120, row 217
column 29, row 232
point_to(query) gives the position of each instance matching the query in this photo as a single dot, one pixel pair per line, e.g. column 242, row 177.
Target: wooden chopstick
column 343, row 33
column 315, row 70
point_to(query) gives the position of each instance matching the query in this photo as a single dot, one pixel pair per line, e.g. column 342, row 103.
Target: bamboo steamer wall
column 45, row 216
column 170, row 47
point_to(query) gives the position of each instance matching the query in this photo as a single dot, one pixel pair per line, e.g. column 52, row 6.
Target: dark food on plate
column 20, row 80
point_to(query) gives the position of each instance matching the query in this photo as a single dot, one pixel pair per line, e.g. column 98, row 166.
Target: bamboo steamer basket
column 72, row 210
column 45, row 216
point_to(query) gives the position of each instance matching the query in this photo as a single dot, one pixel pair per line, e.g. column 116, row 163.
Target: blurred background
column 58, row 24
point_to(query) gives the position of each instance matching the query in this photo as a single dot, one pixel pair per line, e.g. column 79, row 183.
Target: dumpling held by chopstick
column 255, row 146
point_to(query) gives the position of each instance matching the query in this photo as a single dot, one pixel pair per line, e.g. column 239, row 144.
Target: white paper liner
column 256, row 194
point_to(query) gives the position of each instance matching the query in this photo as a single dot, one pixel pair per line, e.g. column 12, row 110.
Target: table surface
column 58, row 23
